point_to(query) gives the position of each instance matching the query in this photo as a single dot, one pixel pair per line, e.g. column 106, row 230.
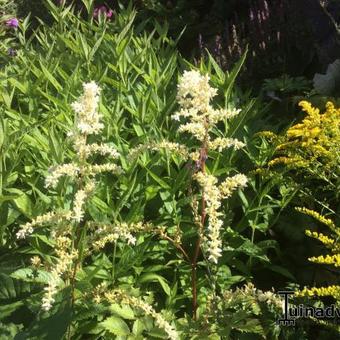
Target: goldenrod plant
column 332, row 244
column 309, row 152
column 314, row 143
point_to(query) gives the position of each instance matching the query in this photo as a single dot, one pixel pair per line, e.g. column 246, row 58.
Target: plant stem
column 80, row 231
column 114, row 260
column 203, row 155
column 178, row 246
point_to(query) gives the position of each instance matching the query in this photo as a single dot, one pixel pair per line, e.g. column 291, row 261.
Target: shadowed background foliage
column 284, row 36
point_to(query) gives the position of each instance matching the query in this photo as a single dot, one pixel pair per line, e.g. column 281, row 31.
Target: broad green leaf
column 22, row 202
column 151, row 277
column 30, row 275
column 115, row 326
column 126, row 312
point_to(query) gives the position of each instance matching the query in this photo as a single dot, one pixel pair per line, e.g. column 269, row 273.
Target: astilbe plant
column 74, row 237
column 198, row 118
column 245, row 309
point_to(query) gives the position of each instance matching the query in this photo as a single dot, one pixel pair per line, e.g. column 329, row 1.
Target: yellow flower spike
column 333, row 259
column 326, row 221
column 307, row 107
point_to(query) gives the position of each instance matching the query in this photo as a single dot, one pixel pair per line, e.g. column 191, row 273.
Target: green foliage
column 138, row 74
column 286, row 85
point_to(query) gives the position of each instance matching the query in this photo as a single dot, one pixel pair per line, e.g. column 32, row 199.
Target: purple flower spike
column 109, row 13
column 102, row 10
column 12, row 52
column 14, row 23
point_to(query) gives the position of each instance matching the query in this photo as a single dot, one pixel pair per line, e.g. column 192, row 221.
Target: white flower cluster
column 230, row 184
column 220, row 143
column 213, row 195
column 82, row 172
column 64, row 261
column 250, row 291
column 88, row 120
column 118, row 295
column 50, row 291
column 162, row 145
column 110, row 233
column 102, row 149
column 213, row 201
column 70, row 170
column 92, row 170
column 50, row 217
column 195, row 93
column 194, row 96
column 79, row 201
column 106, row 235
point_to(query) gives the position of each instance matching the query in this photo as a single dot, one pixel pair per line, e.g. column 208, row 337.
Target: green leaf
column 51, row 327
column 218, row 70
column 6, row 310
column 115, row 326
column 281, row 270
column 126, row 312
column 151, row 191
column 138, row 327
column 138, row 129
column 151, row 277
column 30, row 275
column 24, row 204
column 230, row 80
column 163, row 184
column 50, row 78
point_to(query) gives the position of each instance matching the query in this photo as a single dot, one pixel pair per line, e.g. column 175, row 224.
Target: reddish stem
column 203, row 156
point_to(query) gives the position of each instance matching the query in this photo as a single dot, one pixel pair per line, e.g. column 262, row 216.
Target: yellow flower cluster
column 328, row 259
column 327, row 241
column 323, row 291
column 314, row 142
column 326, row 221
column 331, row 243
